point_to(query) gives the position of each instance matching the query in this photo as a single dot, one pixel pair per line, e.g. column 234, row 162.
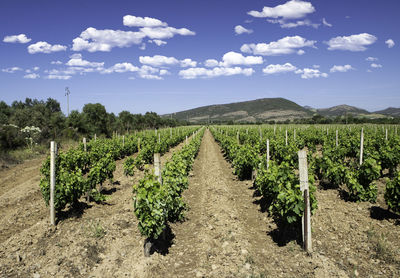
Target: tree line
column 18, row 119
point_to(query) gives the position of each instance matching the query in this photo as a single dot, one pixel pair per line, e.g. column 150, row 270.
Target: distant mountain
column 391, row 111
column 266, row 109
column 342, row 110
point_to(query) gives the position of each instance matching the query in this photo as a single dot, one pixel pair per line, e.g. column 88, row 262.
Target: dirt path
column 225, row 234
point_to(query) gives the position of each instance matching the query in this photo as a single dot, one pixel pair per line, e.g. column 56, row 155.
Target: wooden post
column 327, row 131
column 159, row 138
column 84, row 143
column 123, row 140
column 53, row 153
column 157, row 167
column 286, row 137
column 138, row 144
column 267, row 154
column 362, row 145
column 337, row 138
column 186, row 140
column 304, row 187
column 95, row 137
column 237, row 138
column 274, row 129
column 294, row 134
column 386, row 135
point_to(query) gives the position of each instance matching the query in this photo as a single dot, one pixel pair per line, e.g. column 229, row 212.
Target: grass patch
column 95, row 229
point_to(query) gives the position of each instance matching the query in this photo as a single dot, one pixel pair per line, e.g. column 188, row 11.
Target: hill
column 341, row 110
column 391, row 111
column 278, row 109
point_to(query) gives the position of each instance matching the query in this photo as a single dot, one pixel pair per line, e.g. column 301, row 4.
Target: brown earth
column 225, row 233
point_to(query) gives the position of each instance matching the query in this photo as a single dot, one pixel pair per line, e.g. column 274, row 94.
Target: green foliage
column 129, row 166
column 245, row 161
column 392, row 193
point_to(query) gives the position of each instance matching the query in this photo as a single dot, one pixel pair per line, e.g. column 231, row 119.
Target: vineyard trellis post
column 123, row 140
column 304, row 187
column 138, row 144
column 286, row 137
column 386, row 135
column 53, row 154
column 267, row 154
column 361, row 146
column 337, row 139
column 157, row 167
column 84, row 143
column 95, row 137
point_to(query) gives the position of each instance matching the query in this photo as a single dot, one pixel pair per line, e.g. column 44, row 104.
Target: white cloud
column 148, row 72
column 273, row 69
column 121, row 68
column 344, row 68
column 300, row 52
column 158, row 60
column 94, row 40
column 233, row 58
column 239, row 29
column 351, row 43
column 210, row 63
column 188, row 63
column 326, row 22
column 164, row 72
column 56, row 62
column 307, row 73
column 316, row 66
column 11, row 70
column 162, row 33
column 158, row 42
column 284, row 24
column 36, row 68
column 21, row 38
column 44, row 47
column 31, row 76
column 286, row 45
column 137, row 21
column 290, row 10
column 390, row 43
column 59, row 77
column 376, row 66
column 371, row 59
column 193, row 73
column 77, row 61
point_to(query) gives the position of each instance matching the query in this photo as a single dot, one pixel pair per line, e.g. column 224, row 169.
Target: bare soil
column 226, row 232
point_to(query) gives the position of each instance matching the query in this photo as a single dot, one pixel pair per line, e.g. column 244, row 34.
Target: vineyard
column 217, row 201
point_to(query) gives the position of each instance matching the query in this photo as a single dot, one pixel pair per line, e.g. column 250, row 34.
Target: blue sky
column 168, row 56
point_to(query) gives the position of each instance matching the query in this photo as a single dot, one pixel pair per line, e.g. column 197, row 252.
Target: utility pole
column 67, row 92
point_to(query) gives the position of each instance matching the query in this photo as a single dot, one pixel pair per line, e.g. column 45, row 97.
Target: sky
column 168, row 56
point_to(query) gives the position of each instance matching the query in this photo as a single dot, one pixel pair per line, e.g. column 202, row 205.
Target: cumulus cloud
column 210, row 63
column 376, row 66
column 77, row 61
column 308, row 73
column 325, row 23
column 59, row 77
column 239, row 29
column 21, row 38
column 158, row 60
column 351, row 43
column 233, row 58
column 290, row 10
column 193, row 73
column 31, row 76
column 285, row 24
column 44, row 47
column 344, row 68
column 121, row 68
column 11, row 70
column 164, row 72
column 56, row 62
column 390, row 43
column 300, row 52
column 94, row 40
column 273, row 69
column 188, row 63
column 137, row 21
column 148, row 72
column 286, row 45
column 371, row 59
column 158, row 42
